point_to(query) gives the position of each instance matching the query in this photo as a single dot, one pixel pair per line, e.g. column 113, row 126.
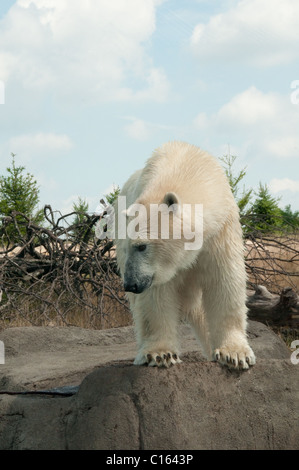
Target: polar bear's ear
column 171, row 199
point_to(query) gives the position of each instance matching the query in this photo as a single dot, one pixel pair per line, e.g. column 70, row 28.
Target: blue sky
column 91, row 88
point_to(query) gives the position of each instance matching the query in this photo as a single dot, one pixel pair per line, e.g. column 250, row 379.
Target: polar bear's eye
column 141, row 247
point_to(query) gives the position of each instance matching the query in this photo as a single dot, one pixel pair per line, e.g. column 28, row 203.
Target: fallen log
column 273, row 308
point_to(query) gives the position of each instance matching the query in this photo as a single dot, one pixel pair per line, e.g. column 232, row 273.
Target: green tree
column 81, row 209
column 290, row 218
column 19, row 192
column 265, row 214
column 112, row 196
column 244, row 198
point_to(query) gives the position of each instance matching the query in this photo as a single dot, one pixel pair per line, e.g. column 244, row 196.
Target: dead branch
column 61, row 271
column 57, row 271
column 272, row 257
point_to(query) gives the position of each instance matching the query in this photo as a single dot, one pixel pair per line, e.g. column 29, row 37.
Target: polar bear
column 165, row 279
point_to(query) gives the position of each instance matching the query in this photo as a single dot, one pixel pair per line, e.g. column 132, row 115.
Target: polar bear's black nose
column 137, row 286
column 131, row 287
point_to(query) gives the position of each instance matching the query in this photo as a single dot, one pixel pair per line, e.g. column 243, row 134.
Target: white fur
column 206, row 287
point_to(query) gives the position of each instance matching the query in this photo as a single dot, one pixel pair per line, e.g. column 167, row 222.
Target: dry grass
column 47, row 308
column 273, row 262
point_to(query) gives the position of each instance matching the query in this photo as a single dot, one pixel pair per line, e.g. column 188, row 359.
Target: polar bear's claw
column 158, row 359
column 235, row 359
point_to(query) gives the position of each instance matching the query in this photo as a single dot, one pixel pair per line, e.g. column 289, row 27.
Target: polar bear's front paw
column 235, row 357
column 157, row 359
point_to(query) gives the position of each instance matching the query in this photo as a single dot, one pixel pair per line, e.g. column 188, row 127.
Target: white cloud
column 284, row 146
column 85, row 50
column 267, row 121
column 41, row 144
column 250, row 108
column 258, row 32
column 277, row 185
column 158, row 86
column 245, row 110
column 201, row 121
column 138, row 130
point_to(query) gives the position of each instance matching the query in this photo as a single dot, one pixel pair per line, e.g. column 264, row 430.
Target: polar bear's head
column 149, row 262
column 155, row 246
